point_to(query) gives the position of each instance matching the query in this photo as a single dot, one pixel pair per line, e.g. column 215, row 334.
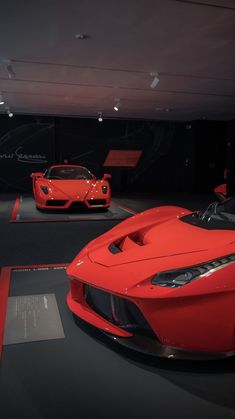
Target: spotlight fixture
column 1, row 100
column 155, row 80
column 82, row 36
column 11, row 73
column 100, row 117
column 8, row 66
column 10, row 114
column 117, row 105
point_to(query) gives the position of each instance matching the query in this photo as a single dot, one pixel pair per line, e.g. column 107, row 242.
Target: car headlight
column 179, row 277
column 104, row 188
column 44, row 189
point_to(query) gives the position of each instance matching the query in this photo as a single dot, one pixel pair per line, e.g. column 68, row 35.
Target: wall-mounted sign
column 122, row 158
column 23, row 157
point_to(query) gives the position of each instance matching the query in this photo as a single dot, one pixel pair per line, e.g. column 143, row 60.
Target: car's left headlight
column 44, row 189
column 104, row 189
column 179, row 277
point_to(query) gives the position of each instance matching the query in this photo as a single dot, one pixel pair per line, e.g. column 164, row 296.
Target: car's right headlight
column 183, row 276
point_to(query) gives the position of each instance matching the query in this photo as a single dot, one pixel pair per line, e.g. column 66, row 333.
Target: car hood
column 72, row 189
column 166, row 239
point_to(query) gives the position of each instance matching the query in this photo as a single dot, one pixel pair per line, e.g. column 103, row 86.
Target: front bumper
column 62, row 204
column 136, row 335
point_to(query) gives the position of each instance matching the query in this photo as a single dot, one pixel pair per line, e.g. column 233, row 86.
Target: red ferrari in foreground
column 162, row 282
column 70, row 186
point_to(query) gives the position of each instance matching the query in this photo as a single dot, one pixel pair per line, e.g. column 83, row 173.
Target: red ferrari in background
column 162, row 282
column 70, row 186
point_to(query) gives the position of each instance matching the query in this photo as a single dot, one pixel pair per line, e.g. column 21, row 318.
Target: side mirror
column 221, row 192
column 36, row 174
column 107, row 176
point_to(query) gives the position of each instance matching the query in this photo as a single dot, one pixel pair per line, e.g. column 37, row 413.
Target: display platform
column 57, row 377
column 24, row 211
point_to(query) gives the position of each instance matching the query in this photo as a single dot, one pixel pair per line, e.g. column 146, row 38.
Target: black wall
column 176, row 156
column 210, row 154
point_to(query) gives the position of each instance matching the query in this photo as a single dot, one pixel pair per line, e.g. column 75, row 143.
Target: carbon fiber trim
column 153, row 347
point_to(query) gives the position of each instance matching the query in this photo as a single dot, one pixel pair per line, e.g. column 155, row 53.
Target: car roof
column 67, row 165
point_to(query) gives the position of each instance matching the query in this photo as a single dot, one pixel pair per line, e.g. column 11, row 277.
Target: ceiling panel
column 189, row 44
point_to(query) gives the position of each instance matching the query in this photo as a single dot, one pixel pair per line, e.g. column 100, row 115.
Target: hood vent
column 114, row 248
column 127, row 243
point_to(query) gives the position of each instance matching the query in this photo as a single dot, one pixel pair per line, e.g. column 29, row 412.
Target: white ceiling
column 190, row 44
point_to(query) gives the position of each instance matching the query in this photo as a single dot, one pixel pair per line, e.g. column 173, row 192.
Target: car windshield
column 214, row 216
column 69, row 173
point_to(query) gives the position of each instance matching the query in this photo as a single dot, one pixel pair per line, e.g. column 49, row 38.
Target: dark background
column 177, row 156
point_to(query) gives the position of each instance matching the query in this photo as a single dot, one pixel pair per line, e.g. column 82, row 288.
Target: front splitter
column 152, row 347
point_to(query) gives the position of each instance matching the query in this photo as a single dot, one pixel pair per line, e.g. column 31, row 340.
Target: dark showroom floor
column 82, row 374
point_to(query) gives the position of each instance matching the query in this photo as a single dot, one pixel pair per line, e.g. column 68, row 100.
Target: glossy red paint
column 198, row 316
column 70, row 191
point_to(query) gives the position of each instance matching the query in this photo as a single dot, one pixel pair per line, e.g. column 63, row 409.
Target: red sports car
column 70, row 186
column 162, row 282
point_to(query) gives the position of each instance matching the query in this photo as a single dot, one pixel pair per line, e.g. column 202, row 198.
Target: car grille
column 56, row 203
column 117, row 310
column 97, row 201
column 77, row 205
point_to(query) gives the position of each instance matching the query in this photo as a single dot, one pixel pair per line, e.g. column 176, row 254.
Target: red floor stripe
column 130, row 210
column 4, row 290
column 15, row 209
